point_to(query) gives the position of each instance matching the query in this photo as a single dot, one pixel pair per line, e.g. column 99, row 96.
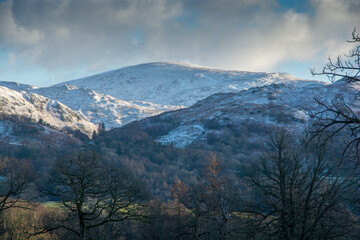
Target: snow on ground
column 38, row 108
column 128, row 94
column 175, row 83
column 11, row 133
column 277, row 105
column 182, row 135
column 17, row 86
column 97, row 107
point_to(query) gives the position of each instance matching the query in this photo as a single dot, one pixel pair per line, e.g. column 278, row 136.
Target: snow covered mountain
column 94, row 106
column 175, row 83
column 119, row 97
column 220, row 118
column 15, row 105
column 103, row 108
column 17, row 86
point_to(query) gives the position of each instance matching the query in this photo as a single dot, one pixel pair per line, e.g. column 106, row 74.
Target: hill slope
column 226, row 117
column 36, row 108
column 121, row 96
column 97, row 107
column 176, row 84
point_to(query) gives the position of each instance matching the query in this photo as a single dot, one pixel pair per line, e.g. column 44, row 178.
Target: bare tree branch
column 348, row 68
column 92, row 193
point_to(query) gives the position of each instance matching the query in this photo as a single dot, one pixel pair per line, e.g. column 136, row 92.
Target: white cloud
column 234, row 34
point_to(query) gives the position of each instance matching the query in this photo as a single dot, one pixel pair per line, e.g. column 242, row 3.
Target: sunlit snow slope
column 36, row 108
column 121, row 96
column 175, row 83
column 97, row 107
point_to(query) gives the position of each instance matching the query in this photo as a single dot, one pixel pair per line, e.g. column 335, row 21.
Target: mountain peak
column 171, row 83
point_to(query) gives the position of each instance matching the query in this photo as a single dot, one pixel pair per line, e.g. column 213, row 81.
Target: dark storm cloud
column 238, row 34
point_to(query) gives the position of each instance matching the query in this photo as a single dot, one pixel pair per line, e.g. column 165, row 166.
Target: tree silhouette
column 299, row 196
column 16, row 177
column 92, row 193
column 336, row 117
column 348, row 68
column 211, row 202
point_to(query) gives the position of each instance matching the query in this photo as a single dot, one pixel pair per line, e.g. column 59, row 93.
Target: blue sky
column 47, row 42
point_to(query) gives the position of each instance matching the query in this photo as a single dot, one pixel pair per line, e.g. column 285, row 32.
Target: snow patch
column 182, row 136
column 302, row 115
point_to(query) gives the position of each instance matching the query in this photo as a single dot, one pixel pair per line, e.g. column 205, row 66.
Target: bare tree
column 336, row 120
column 337, row 117
column 92, row 193
column 299, row 196
column 339, row 68
column 211, row 202
column 15, row 179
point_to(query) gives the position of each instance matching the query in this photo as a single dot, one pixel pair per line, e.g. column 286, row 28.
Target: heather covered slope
column 248, row 114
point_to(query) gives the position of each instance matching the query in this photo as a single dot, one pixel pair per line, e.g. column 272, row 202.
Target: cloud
column 13, row 34
column 250, row 38
column 233, row 34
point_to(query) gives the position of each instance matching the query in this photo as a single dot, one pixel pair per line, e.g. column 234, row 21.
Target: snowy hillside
column 96, row 107
column 17, row 86
column 25, row 133
column 103, row 108
column 249, row 112
column 37, row 108
column 175, row 83
column 121, row 96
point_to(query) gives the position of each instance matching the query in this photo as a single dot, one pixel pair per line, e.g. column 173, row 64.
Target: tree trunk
column 82, row 230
